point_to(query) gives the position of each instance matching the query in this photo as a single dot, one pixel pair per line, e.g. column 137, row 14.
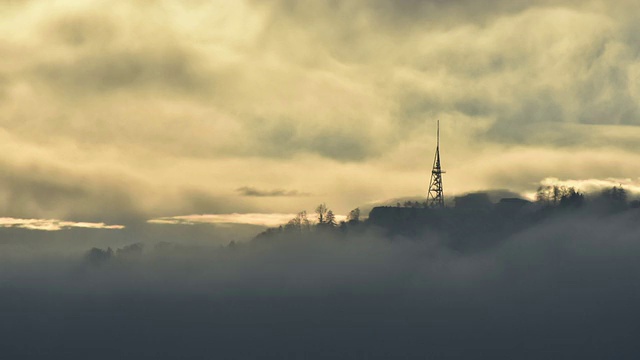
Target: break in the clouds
column 173, row 98
column 53, row 224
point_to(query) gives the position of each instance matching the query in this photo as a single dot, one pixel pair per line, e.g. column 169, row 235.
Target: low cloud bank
column 235, row 218
column 53, row 224
column 595, row 185
column 563, row 288
column 269, row 220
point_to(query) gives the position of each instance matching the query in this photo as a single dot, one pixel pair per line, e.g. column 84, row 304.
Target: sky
column 143, row 143
column 117, row 112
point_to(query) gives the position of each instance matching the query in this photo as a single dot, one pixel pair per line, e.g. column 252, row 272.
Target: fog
column 566, row 287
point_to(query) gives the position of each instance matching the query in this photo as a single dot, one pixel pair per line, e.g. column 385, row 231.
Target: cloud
column 29, row 190
column 96, row 74
column 251, row 191
column 127, row 111
column 270, row 220
column 596, row 185
column 40, row 187
column 572, row 278
column 317, row 95
column 53, row 224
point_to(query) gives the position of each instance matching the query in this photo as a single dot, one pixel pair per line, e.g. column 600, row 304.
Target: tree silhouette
column 321, row 211
column 572, row 198
column 330, row 219
column 554, row 195
column 354, row 215
column 97, row 256
column 298, row 223
column 616, row 197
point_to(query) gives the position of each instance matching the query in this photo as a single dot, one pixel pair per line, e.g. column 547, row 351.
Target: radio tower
column 435, row 197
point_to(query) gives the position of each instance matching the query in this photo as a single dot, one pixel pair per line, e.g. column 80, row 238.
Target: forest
column 472, row 222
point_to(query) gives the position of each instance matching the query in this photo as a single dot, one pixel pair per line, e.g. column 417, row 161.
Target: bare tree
column 299, row 223
column 354, row 215
column 321, row 210
column 305, row 224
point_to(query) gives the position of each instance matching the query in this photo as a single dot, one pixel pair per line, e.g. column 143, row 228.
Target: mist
column 147, row 146
column 565, row 287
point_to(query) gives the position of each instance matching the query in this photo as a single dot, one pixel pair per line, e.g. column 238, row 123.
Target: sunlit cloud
column 269, row 220
column 246, row 219
column 288, row 106
column 589, row 186
column 595, row 185
column 52, row 224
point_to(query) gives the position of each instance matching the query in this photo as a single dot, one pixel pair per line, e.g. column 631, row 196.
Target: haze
column 145, row 143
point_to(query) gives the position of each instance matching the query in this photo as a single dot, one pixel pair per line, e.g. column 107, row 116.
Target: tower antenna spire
column 435, row 196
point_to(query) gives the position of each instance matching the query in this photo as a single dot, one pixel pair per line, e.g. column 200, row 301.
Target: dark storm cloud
column 251, row 191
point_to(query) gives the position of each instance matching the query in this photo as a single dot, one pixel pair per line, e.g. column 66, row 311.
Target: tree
column 97, row 256
column 298, row 223
column 330, row 219
column 130, row 251
column 619, row 194
column 354, row 216
column 616, row 196
column 321, row 211
column 542, row 195
column 554, row 195
column 571, row 198
column 305, row 224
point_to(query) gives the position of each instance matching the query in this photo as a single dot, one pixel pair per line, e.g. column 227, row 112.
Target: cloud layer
column 52, row 224
column 564, row 288
column 269, row 220
column 338, row 100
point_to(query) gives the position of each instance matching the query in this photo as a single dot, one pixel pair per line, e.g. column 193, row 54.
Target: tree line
column 326, row 220
column 412, row 217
